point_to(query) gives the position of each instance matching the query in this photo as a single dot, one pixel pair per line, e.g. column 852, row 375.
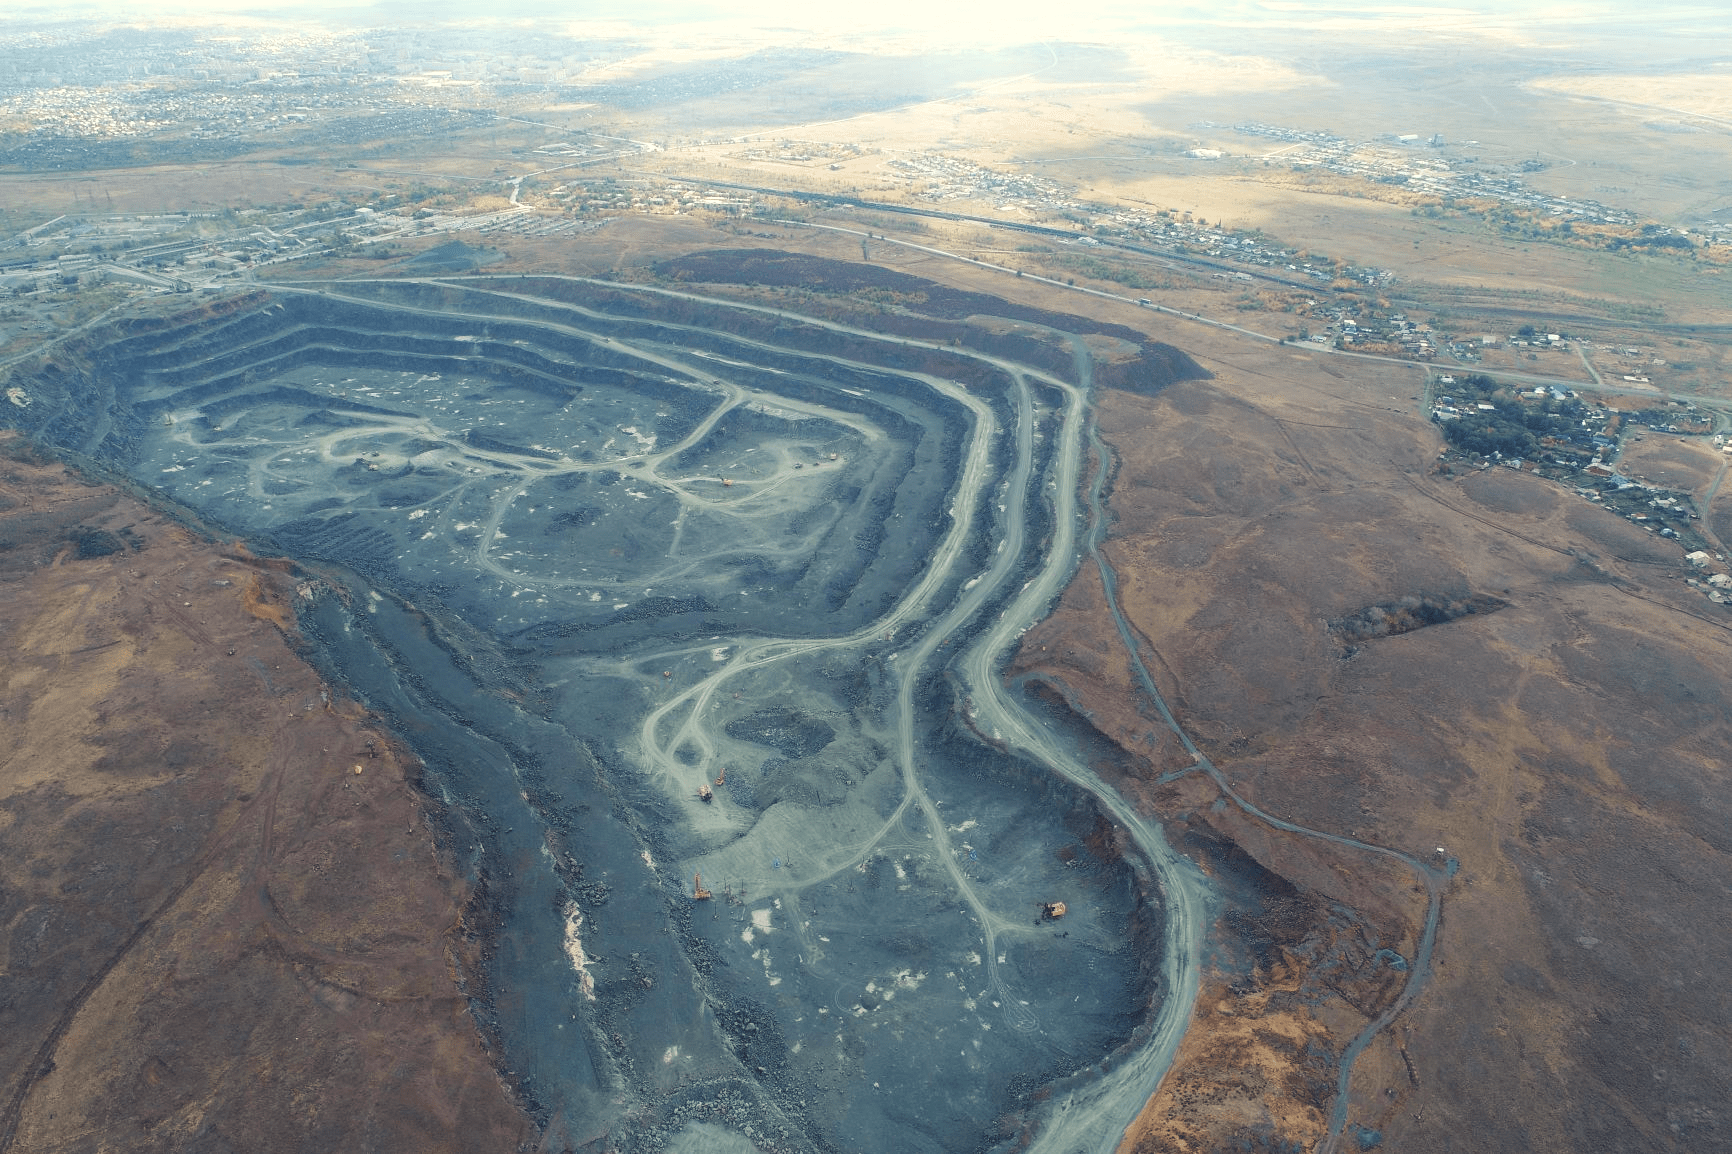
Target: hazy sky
column 948, row 16
column 1603, row 29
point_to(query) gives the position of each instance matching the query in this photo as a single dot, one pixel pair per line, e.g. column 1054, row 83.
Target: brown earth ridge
column 1478, row 663
column 226, row 923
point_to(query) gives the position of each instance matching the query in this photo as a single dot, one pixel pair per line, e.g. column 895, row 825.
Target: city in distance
column 712, row 578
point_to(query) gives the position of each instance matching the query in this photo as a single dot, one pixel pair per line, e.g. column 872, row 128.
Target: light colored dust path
column 1096, row 1117
column 1093, row 1117
column 646, row 467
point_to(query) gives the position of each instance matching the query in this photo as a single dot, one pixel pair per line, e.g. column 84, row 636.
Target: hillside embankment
column 227, row 921
column 1474, row 667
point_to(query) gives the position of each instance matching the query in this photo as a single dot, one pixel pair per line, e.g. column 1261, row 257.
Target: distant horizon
column 1017, row 19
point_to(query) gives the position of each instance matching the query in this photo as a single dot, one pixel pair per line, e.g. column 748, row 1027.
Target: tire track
column 42, row 1063
column 1433, row 880
column 1486, row 521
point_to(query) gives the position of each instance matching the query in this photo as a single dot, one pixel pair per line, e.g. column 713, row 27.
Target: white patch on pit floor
column 574, row 950
column 761, row 920
column 719, row 653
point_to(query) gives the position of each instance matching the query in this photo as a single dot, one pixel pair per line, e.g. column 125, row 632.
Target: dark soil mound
column 1157, row 365
column 455, row 256
column 787, row 731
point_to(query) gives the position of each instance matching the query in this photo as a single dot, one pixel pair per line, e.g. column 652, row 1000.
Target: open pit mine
column 695, row 610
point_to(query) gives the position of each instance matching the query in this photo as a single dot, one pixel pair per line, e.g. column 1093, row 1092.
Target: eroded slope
column 1565, row 742
column 217, row 933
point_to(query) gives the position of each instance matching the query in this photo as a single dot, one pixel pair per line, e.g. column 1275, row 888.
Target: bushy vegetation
column 1112, row 272
column 1653, row 237
column 1513, row 427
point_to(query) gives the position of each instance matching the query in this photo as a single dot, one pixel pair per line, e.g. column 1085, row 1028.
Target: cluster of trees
column 1652, row 240
column 1514, row 427
column 1112, row 272
column 1489, row 433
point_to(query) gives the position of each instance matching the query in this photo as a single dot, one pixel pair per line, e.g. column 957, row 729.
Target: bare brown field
column 1079, row 93
column 188, row 188
column 1117, row 136
column 471, row 159
column 227, row 921
column 1707, row 95
column 1423, row 252
column 1675, row 462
